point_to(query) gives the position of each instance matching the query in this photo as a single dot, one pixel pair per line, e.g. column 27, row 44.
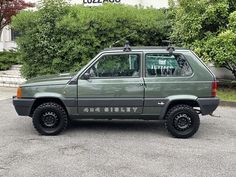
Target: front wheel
column 50, row 119
column 182, row 121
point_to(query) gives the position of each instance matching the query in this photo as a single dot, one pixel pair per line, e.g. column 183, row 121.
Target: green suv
column 148, row 83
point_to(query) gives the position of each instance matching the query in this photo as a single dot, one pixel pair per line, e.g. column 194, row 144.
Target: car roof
column 144, row 48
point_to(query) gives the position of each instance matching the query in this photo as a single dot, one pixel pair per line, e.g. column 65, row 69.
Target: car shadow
column 118, row 125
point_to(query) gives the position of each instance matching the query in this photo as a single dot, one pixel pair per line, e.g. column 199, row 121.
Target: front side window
column 122, row 65
column 167, row 65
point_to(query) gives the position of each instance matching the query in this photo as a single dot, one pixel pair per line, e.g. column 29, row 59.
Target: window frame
column 163, row 53
column 138, row 53
column 14, row 34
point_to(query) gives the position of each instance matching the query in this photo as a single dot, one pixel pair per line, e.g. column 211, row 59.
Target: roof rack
column 127, row 47
column 135, row 48
column 171, row 49
column 170, row 46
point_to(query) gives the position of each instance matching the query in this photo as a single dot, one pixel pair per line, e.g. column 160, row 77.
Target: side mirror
column 86, row 76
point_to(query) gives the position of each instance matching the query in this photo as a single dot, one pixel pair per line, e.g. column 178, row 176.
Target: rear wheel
column 182, row 121
column 50, row 119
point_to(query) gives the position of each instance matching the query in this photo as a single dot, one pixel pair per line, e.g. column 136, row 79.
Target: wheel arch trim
column 178, row 99
column 66, row 103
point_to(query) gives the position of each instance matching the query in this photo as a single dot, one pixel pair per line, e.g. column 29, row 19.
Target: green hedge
column 61, row 38
column 7, row 59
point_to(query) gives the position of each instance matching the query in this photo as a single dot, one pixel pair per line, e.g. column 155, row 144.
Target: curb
column 228, row 103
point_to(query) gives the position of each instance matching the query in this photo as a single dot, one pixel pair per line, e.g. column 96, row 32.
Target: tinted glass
column 166, row 65
column 127, row 65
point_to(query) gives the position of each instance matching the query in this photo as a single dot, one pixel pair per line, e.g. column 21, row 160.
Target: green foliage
column 227, row 94
column 61, row 37
column 222, row 47
column 7, row 59
column 232, row 21
column 194, row 20
column 209, row 28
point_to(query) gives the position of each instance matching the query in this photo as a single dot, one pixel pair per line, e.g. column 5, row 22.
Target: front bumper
column 23, row 106
column 208, row 105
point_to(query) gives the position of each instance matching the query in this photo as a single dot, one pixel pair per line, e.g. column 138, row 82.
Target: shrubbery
column 7, row 59
column 61, row 37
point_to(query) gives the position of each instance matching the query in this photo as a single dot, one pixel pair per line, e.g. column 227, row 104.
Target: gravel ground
column 117, row 148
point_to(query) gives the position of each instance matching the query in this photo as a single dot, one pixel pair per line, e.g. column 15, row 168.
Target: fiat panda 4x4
column 148, row 83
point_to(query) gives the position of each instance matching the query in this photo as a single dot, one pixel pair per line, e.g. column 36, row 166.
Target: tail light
column 214, row 89
column 19, row 92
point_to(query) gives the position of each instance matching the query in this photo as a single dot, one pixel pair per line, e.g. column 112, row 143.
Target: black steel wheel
column 182, row 121
column 50, row 119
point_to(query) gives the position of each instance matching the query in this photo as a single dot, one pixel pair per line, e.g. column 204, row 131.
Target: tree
column 9, row 8
column 209, row 28
column 62, row 38
column 221, row 48
column 195, row 20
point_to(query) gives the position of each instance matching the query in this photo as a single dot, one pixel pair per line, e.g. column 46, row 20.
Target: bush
column 61, row 37
column 7, row 59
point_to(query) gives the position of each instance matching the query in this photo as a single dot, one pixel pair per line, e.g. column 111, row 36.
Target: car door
column 166, row 75
column 112, row 85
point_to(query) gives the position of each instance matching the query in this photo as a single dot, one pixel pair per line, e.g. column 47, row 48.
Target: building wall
column 145, row 3
column 6, row 42
column 221, row 73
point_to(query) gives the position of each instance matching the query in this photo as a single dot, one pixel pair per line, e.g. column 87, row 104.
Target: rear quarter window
column 167, row 65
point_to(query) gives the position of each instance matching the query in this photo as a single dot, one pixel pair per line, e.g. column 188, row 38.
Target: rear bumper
column 23, row 106
column 208, row 105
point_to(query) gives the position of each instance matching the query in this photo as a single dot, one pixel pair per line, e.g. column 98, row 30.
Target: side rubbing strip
column 97, row 102
column 70, row 102
column 155, row 102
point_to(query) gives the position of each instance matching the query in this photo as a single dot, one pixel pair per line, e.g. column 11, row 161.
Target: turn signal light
column 19, row 92
column 214, row 89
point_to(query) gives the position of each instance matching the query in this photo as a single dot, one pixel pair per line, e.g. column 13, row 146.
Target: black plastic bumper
column 23, row 106
column 208, row 105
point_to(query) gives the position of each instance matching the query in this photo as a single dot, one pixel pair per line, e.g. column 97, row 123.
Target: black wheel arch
column 41, row 100
column 171, row 104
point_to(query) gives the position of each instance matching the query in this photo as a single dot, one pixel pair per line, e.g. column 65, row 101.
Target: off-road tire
column 178, row 112
column 57, row 111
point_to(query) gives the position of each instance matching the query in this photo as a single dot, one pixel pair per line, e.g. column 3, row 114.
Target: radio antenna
column 122, row 39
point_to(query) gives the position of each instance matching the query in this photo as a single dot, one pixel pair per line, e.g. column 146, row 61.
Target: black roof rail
column 170, row 46
column 143, row 48
column 127, row 47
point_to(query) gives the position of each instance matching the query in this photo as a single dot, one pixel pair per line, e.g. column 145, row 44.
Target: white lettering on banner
column 135, row 109
column 106, row 109
column 96, row 2
column 86, row 109
column 111, row 110
column 97, row 110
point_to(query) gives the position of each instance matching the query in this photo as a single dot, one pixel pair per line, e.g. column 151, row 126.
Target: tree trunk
column 231, row 67
column 234, row 73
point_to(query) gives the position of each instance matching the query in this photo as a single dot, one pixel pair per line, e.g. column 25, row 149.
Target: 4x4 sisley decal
column 100, row 1
column 111, row 110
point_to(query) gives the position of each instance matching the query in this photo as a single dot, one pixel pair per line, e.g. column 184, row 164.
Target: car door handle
column 140, row 85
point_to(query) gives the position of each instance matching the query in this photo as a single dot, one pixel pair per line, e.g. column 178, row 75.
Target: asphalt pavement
column 6, row 92
column 117, row 148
